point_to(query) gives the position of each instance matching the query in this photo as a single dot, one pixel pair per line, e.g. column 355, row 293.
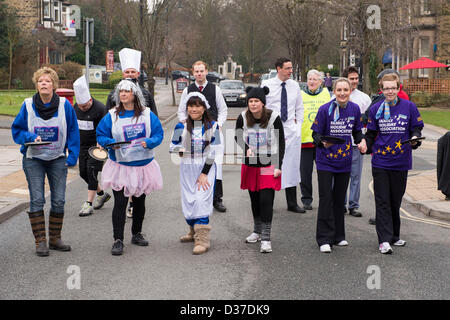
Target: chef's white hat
column 81, row 90
column 130, row 58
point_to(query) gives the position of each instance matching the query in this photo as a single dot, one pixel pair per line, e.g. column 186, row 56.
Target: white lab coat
column 290, row 176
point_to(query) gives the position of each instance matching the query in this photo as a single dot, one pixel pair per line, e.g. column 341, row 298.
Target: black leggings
column 262, row 208
column 119, row 211
column 89, row 169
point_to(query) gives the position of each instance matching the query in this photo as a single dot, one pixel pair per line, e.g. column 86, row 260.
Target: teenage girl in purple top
column 339, row 118
column 390, row 122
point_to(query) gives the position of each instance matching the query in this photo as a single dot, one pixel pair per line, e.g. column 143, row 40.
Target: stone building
column 230, row 69
column 36, row 16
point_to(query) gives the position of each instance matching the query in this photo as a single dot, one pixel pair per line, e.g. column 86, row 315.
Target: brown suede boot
column 189, row 237
column 201, row 238
column 37, row 220
column 54, row 230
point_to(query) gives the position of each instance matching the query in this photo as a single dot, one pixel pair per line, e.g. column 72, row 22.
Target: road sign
column 110, row 61
column 181, row 84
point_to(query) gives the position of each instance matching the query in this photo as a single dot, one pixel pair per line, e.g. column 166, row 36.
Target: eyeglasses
column 390, row 89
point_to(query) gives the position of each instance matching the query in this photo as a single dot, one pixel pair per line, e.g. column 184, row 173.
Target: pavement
column 421, row 189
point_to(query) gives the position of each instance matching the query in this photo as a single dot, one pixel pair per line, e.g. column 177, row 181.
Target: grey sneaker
column 86, row 210
column 117, row 248
column 130, row 212
column 399, row 243
column 100, row 200
column 253, row 238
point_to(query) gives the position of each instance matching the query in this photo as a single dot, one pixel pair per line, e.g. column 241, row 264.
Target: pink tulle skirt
column 255, row 179
column 135, row 181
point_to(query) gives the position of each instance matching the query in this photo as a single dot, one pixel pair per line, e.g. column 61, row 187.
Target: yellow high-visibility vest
column 311, row 105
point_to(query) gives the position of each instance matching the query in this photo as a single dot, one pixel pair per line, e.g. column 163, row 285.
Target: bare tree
column 144, row 27
column 372, row 26
column 253, row 39
column 298, row 23
column 13, row 36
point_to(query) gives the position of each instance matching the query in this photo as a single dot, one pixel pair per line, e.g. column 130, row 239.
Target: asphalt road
column 232, row 269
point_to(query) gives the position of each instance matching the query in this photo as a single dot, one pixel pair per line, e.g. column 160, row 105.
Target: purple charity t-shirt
column 388, row 153
column 338, row 157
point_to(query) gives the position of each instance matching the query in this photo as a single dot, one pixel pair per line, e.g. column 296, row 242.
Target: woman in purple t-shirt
column 390, row 122
column 339, row 118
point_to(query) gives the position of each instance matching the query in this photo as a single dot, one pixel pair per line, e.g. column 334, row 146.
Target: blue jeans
column 355, row 179
column 56, row 171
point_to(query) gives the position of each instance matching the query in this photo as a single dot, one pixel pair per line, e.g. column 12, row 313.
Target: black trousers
column 218, row 191
column 89, row 169
column 306, row 171
column 119, row 211
column 330, row 216
column 262, row 204
column 262, row 209
column 389, row 187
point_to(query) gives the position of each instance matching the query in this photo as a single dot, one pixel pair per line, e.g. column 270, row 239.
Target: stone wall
column 443, row 40
column 27, row 13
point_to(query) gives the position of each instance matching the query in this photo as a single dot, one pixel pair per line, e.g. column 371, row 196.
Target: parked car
column 176, row 74
column 213, row 76
column 263, row 77
column 234, row 93
column 272, row 73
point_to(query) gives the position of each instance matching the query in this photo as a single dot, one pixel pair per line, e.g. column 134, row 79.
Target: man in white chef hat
column 89, row 113
column 130, row 61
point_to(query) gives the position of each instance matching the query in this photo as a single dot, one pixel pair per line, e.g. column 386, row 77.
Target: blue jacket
column 104, row 136
column 21, row 135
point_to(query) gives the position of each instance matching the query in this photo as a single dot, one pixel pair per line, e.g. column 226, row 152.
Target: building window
column 344, row 33
column 424, row 47
column 425, row 7
column 65, row 16
column 46, row 9
column 57, row 12
column 55, row 57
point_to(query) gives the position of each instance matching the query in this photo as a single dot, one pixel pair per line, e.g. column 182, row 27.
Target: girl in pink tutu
column 131, row 170
column 260, row 134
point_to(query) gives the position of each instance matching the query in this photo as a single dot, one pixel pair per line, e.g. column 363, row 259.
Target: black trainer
column 138, row 239
column 296, row 209
column 117, row 248
column 218, row 205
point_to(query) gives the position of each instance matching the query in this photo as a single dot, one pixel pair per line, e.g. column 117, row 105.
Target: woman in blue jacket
column 47, row 118
column 131, row 170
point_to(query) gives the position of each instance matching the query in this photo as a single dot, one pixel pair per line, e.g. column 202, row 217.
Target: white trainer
column 253, row 238
column 266, row 246
column 325, row 248
column 399, row 243
column 385, row 248
column 343, row 243
column 86, row 209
